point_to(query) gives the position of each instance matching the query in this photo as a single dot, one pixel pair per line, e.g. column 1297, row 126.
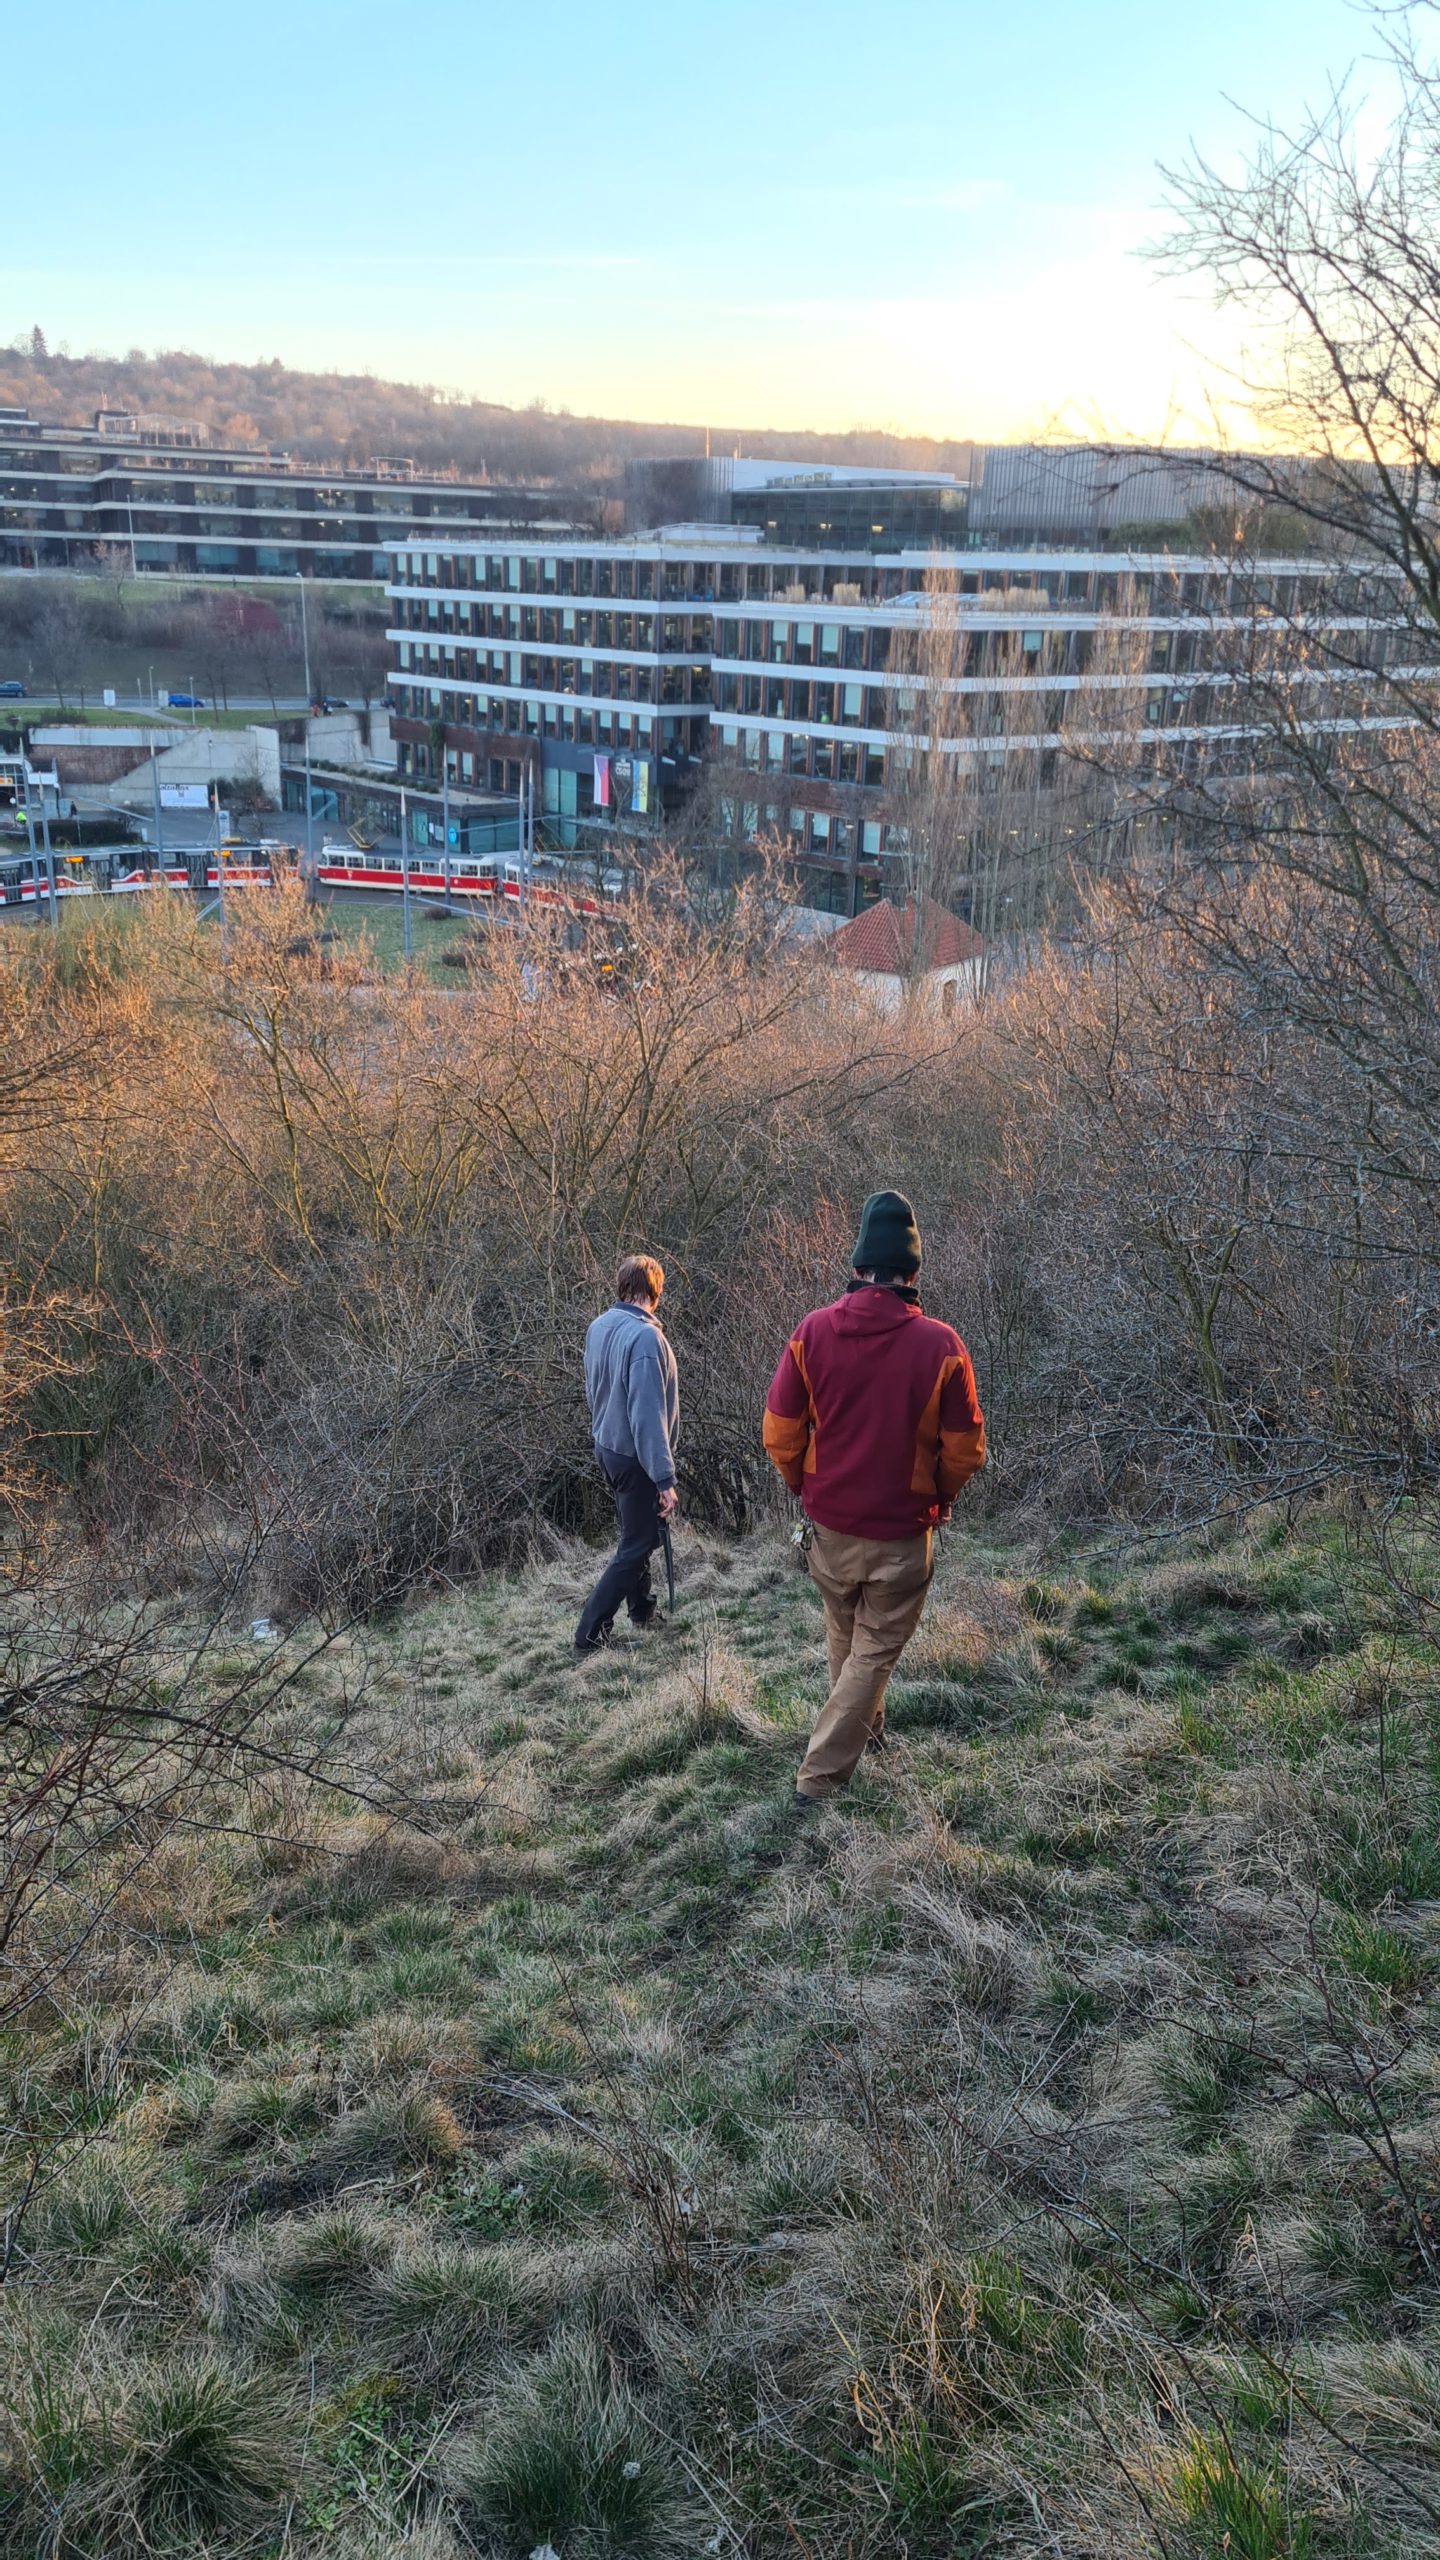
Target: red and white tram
column 87, row 875
column 489, row 879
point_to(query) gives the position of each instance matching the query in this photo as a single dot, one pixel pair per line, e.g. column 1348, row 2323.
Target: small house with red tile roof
column 899, row 957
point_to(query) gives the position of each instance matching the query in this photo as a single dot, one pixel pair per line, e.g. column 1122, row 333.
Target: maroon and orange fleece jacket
column 872, row 1416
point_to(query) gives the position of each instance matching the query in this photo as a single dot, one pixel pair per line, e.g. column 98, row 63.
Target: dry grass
column 1038, row 2154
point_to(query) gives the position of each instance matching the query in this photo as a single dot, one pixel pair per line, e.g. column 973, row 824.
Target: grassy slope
column 381, row 926
column 131, row 663
column 370, row 923
column 1034, row 2154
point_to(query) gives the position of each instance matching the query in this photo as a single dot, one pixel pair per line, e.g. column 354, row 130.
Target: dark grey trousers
column 627, row 1575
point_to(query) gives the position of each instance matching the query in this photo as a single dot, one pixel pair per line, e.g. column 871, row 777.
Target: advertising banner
column 602, row 782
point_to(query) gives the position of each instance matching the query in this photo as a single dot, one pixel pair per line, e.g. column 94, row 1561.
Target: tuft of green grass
column 927, row 2486
column 274, row 2106
column 1236, row 2510
column 548, row 2185
column 1201, row 2073
column 1379, row 1955
column 329, row 2252
column 90, row 2215
column 441, row 2311
column 571, row 2459
column 937, row 1706
column 162, row 2454
column 400, row 2130
column 1092, row 1608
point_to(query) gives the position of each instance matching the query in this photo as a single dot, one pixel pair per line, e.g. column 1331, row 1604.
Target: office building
column 622, row 675
column 168, row 499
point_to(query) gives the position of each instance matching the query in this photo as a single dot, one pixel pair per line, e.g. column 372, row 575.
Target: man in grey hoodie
column 632, row 1388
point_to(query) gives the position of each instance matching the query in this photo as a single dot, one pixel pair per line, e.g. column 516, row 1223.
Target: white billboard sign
column 184, row 795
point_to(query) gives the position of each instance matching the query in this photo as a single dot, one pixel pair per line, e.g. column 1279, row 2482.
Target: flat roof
column 721, row 543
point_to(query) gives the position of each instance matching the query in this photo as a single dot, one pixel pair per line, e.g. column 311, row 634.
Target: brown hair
column 639, row 1276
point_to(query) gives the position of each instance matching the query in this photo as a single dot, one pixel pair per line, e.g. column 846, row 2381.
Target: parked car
column 12, row 690
column 186, row 701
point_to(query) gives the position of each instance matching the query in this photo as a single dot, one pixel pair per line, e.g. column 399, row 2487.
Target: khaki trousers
column 874, row 1591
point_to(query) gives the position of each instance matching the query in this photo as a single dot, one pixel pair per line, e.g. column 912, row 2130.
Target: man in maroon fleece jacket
column 873, row 1420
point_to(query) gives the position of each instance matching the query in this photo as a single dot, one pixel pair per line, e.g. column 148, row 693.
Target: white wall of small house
column 934, row 991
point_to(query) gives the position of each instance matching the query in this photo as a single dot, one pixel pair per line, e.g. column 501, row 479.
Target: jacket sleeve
column 788, row 1415
column 962, row 1428
column 645, row 1404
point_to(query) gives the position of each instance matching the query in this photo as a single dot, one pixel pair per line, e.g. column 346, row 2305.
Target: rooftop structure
column 1088, row 495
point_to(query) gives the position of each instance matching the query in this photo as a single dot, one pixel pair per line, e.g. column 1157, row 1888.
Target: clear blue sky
column 917, row 213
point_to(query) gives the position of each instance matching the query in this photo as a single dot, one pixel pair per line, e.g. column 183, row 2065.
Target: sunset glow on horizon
column 810, row 217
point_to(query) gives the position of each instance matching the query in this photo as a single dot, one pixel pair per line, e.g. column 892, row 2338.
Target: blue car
column 12, row 690
column 187, row 701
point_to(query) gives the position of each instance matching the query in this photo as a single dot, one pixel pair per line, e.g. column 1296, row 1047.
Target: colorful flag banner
column 640, row 785
column 602, row 782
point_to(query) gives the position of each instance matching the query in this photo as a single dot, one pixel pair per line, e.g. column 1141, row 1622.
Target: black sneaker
column 879, row 1740
column 801, row 1805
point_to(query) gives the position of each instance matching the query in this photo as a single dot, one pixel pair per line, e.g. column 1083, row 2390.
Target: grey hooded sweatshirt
column 632, row 1387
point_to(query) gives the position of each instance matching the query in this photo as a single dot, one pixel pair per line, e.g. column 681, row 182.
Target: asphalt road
column 136, row 707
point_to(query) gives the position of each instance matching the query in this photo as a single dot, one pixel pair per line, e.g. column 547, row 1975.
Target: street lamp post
column 305, row 640
column 220, row 879
column 49, row 858
column 405, row 876
column 30, row 836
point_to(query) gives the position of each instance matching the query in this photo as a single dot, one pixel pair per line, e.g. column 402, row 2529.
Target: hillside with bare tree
column 350, row 418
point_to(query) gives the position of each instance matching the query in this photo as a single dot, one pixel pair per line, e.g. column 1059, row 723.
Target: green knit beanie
column 889, row 1240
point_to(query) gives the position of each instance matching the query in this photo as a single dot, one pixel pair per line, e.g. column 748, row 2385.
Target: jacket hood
column 872, row 1311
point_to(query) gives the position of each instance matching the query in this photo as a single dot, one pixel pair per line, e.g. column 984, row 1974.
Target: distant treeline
column 351, row 417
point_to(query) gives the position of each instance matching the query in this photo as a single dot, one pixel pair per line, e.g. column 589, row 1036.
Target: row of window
column 857, row 648
column 818, row 833
column 418, row 762
column 257, row 560
column 253, row 484
column 978, row 651
column 607, row 680
column 863, row 761
column 509, row 573
column 528, row 717
column 652, row 631
column 786, row 697
column 665, row 581
column 821, row 759
column 843, row 579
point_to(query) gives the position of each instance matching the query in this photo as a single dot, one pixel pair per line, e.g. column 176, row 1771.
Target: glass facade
column 794, row 675
column 857, row 516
